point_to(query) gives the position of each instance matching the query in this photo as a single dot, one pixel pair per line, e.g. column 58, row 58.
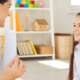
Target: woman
column 18, row 69
column 74, row 69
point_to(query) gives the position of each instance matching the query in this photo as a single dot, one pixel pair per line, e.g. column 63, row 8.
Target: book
column 18, row 26
column 34, row 50
column 26, row 52
column 29, row 48
column 18, row 22
column 21, row 53
column 19, row 48
column 32, row 53
column 11, row 15
column 18, row 52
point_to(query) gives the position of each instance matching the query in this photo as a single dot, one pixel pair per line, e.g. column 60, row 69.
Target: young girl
column 74, row 69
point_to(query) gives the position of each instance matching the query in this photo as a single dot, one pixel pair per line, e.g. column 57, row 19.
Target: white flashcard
column 9, row 48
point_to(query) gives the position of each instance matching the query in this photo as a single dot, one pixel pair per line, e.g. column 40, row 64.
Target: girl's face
column 4, row 12
column 76, row 29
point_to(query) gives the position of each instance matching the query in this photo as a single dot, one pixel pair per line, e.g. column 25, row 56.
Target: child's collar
column 78, row 46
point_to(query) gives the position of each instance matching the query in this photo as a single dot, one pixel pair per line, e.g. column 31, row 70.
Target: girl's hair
column 70, row 76
column 3, row 1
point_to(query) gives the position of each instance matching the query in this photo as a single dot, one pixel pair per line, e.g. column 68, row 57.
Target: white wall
column 63, row 21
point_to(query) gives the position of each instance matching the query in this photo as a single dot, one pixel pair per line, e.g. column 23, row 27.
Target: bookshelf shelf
column 32, row 8
column 24, row 56
column 37, row 37
column 25, row 32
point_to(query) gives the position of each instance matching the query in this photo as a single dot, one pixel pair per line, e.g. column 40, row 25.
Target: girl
column 74, row 69
column 18, row 69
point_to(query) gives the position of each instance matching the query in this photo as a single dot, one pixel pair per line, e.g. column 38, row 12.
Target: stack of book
column 26, row 48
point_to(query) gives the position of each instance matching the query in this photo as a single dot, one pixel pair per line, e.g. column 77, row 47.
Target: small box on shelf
column 44, row 49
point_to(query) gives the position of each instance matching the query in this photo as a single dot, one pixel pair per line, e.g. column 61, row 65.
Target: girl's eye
column 74, row 25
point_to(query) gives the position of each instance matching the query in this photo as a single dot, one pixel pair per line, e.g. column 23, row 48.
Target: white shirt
column 75, row 70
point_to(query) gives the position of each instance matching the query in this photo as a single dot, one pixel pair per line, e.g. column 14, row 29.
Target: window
column 75, row 4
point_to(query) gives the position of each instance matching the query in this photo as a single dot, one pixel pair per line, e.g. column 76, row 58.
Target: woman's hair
column 70, row 76
column 3, row 1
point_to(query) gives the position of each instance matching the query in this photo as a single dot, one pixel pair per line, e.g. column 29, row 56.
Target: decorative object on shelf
column 18, row 2
column 16, row 5
column 26, row 4
column 35, row 6
column 32, row 2
column 63, row 45
column 27, row 16
column 23, row 2
column 44, row 49
column 30, row 5
column 40, row 25
column 40, row 3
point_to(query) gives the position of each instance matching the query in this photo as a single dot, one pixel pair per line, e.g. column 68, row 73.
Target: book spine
column 18, row 21
column 34, row 50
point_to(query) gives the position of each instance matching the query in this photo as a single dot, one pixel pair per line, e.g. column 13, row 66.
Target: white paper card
column 9, row 48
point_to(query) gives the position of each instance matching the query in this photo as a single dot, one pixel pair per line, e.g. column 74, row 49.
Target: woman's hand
column 12, row 72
